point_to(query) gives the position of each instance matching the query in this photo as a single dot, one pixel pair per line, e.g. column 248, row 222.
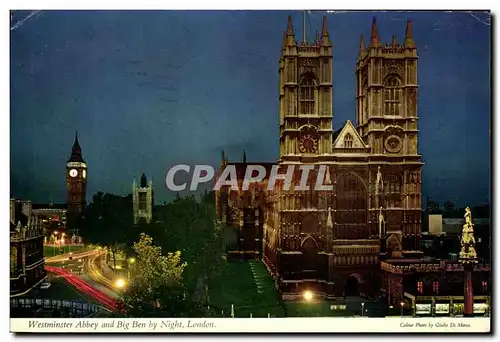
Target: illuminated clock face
column 73, row 173
column 308, row 144
column 84, row 173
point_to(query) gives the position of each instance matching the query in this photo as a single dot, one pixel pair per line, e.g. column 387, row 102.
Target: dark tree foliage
column 107, row 221
column 433, row 208
column 165, row 301
column 185, row 224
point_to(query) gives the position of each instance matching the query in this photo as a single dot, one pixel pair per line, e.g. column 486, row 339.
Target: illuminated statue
column 379, row 182
column 381, row 222
column 329, row 221
column 468, row 242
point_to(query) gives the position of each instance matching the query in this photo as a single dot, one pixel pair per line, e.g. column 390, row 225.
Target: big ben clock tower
column 76, row 184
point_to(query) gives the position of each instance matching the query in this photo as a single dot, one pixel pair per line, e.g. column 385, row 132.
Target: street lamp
column 402, row 307
column 54, row 241
column 362, row 309
column 130, row 262
column 120, row 283
column 308, row 296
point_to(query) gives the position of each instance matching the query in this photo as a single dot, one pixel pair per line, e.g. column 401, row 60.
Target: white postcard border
column 254, row 325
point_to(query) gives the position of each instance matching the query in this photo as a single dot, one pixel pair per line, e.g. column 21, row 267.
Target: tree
column 433, row 207
column 449, row 208
column 152, row 267
column 107, row 221
column 157, row 289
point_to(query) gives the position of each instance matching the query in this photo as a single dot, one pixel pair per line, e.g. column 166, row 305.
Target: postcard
column 250, row 171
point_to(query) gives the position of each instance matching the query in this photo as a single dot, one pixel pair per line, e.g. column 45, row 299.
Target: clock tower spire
column 76, row 184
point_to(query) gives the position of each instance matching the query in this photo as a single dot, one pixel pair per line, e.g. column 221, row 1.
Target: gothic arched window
column 348, row 140
column 307, row 96
column 392, row 96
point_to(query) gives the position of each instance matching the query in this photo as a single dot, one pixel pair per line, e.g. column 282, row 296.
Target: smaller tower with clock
column 76, row 184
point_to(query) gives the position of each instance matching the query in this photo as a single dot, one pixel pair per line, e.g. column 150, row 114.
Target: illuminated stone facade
column 331, row 242
column 26, row 249
column 142, row 199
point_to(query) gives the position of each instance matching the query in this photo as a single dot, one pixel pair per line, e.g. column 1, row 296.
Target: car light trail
column 82, row 286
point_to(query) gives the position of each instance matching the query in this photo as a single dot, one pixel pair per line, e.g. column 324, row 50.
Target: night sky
column 148, row 90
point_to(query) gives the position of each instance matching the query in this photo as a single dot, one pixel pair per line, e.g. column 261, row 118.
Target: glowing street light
column 130, row 261
column 402, row 307
column 308, row 296
column 362, row 309
column 120, row 283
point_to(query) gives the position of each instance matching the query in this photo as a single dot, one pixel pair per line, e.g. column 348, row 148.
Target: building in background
column 26, row 249
column 52, row 217
column 436, row 224
column 142, row 199
column 434, row 287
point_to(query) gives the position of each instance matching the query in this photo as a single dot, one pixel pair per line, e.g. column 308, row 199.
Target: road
column 78, row 255
column 95, row 273
column 82, row 273
column 109, row 302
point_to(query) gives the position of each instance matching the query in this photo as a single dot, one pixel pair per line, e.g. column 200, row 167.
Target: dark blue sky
column 148, row 90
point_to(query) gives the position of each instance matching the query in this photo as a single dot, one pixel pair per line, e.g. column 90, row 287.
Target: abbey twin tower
column 334, row 241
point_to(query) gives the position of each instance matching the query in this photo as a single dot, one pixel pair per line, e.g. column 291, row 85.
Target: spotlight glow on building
column 308, row 296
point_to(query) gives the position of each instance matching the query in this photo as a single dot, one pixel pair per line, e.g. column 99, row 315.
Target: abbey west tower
column 386, row 113
column 305, row 72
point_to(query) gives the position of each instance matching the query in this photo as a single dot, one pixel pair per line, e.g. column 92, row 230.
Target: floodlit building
column 361, row 236
column 142, row 199
column 26, row 249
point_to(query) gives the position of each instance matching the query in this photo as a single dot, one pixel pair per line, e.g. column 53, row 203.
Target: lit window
column 420, row 287
column 392, row 96
column 435, row 286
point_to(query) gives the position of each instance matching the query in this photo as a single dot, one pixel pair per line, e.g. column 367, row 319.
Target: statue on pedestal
column 329, row 221
column 379, row 184
column 468, row 251
column 468, row 258
column 381, row 222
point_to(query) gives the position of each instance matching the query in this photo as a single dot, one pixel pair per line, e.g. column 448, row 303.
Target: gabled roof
column 348, row 128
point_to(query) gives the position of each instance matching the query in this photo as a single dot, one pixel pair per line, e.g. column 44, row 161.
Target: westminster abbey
column 334, row 242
